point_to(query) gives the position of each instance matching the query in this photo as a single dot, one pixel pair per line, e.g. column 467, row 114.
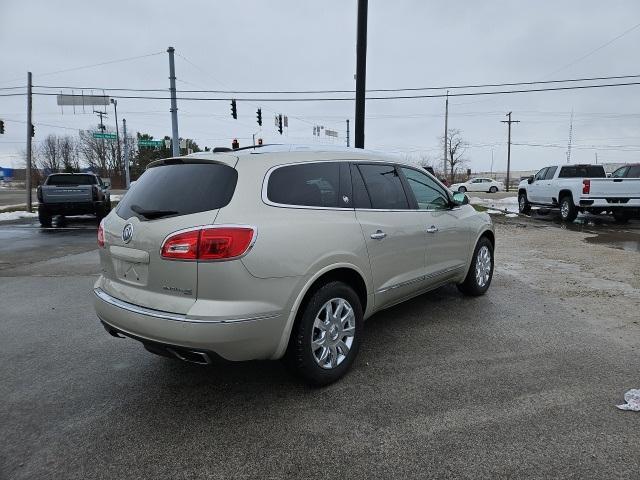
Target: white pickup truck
column 580, row 188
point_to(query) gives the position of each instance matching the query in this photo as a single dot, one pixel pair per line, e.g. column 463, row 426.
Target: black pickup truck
column 73, row 194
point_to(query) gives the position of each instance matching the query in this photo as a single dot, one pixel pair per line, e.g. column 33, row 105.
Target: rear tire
column 524, row 206
column 493, row 190
column 568, row 211
column 44, row 217
column 480, row 272
column 620, row 217
column 326, row 336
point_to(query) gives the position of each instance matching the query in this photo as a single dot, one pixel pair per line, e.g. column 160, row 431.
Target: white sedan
column 478, row 185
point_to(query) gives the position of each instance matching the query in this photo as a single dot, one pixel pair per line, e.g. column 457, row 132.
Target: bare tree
column 50, row 159
column 67, row 147
column 456, row 147
column 93, row 151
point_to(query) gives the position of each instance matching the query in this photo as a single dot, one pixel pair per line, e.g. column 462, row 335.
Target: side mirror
column 530, row 180
column 460, row 198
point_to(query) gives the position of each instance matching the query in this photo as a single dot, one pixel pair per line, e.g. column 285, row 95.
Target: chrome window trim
column 150, row 312
column 265, row 183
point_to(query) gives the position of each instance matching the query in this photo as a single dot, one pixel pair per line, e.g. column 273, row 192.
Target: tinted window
column 310, row 185
column 360, row 195
column 634, row 172
column 61, row 180
column 540, row 175
column 621, row 172
column 179, row 189
column 426, row 191
column 582, row 171
column 551, row 171
column 384, row 187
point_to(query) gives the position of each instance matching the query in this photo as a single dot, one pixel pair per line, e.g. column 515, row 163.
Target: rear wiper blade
column 151, row 214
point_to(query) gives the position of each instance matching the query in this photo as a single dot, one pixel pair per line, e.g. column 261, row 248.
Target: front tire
column 326, row 336
column 480, row 273
column 524, row 206
column 462, row 189
column 568, row 211
column 493, row 190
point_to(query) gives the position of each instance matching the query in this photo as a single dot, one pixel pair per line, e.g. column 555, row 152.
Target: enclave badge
column 127, row 233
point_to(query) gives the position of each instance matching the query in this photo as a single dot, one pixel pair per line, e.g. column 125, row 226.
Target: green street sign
column 106, row 136
column 150, row 143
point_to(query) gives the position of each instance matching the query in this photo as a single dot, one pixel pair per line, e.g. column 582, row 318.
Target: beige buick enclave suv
column 281, row 252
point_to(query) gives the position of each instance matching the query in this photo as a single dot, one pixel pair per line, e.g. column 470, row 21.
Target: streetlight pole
column 115, row 111
column 361, row 72
column 174, row 105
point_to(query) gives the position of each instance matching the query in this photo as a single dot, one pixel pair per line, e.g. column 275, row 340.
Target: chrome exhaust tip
column 190, row 356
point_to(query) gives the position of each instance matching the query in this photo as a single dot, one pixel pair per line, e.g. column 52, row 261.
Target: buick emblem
column 127, row 233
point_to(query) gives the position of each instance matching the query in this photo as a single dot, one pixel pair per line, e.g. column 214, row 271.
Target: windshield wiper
column 152, row 214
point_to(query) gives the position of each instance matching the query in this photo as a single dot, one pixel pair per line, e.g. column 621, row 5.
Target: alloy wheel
column 333, row 333
column 483, row 266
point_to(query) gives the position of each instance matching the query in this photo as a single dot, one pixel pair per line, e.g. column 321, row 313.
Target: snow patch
column 632, row 397
column 9, row 216
column 505, row 205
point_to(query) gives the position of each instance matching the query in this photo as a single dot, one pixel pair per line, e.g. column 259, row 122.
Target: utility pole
column 29, row 132
column 446, row 133
column 509, row 122
column 348, row 133
column 175, row 143
column 570, row 138
column 361, row 71
column 491, row 171
column 127, row 178
column 115, row 111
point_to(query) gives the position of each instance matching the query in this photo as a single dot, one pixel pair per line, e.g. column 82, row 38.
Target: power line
column 344, row 99
column 597, row 49
column 292, row 92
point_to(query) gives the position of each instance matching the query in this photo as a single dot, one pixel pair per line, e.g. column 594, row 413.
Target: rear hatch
column 172, row 195
column 69, row 188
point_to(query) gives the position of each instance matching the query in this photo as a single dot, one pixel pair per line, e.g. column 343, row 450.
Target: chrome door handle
column 432, row 229
column 379, row 235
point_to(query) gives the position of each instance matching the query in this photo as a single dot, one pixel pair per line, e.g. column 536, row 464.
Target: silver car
column 281, row 252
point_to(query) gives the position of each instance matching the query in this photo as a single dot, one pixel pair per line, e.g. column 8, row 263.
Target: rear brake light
column 101, row 234
column 181, row 246
column 586, row 187
column 213, row 243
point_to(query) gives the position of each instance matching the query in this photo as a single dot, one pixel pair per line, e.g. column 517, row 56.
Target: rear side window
column 62, row 180
column 634, row 172
column 620, row 173
column 308, row 185
column 384, row 187
column 582, row 171
column 179, row 189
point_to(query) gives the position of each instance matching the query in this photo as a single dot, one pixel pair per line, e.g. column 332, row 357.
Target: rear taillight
column 181, row 246
column 586, row 187
column 101, row 234
column 208, row 243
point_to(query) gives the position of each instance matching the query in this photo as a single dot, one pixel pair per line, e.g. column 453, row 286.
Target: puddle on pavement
column 621, row 240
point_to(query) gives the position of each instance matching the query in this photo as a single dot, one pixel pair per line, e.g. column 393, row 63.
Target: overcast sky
column 295, row 45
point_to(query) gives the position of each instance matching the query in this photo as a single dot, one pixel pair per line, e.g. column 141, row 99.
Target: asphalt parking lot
column 522, row 382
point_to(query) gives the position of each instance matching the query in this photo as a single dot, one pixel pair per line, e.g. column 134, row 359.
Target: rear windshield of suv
column 179, row 189
column 582, row 171
column 64, row 180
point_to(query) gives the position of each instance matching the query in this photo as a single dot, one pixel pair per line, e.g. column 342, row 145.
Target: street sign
column 331, row 133
column 81, row 100
column 106, row 136
column 150, row 143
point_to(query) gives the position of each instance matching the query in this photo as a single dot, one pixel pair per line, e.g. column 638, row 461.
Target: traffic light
column 280, row 123
column 259, row 113
column 33, row 130
column 235, row 144
column 1, row 127
column 234, row 110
